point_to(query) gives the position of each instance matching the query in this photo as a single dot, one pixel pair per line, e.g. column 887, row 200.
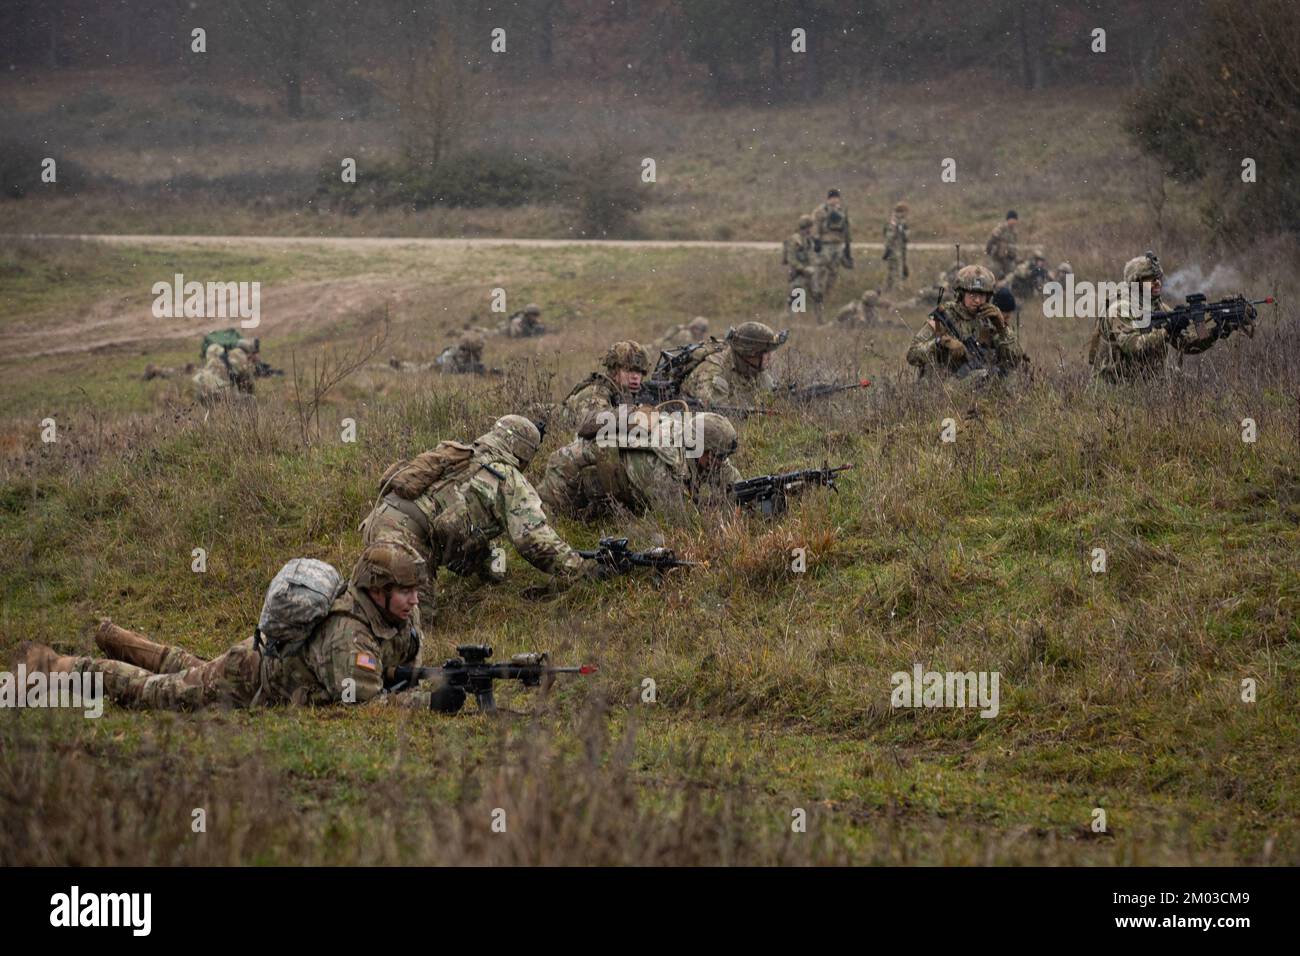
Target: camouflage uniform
column 524, row 324
column 453, row 523
column 598, row 394
column 725, row 378
column 797, row 253
column 212, row 381
column 586, row 480
column 986, row 325
column 1001, row 246
column 463, row 358
column 1122, row 352
column 344, row 660
column 895, row 254
column 831, row 231
column 1026, row 280
column 863, row 312
column 696, row 330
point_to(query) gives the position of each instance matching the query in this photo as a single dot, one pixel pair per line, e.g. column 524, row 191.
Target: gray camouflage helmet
column 718, row 434
column 513, row 437
column 755, row 338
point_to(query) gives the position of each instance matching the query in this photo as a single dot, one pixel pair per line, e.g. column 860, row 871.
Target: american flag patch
column 368, row 662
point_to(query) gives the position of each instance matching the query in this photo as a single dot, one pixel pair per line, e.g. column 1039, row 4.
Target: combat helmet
column 973, row 278
column 512, row 437
column 902, row 208
column 532, row 308
column 628, row 355
column 1065, row 268
column 472, row 343
column 755, row 338
column 805, row 221
column 389, row 562
column 717, row 434
column 1145, row 266
column 1038, row 253
column 698, row 326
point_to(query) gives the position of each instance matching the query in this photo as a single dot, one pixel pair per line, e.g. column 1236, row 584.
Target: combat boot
column 43, row 659
column 123, row 645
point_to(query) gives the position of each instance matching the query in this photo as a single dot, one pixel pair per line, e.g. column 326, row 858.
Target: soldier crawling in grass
column 368, row 627
column 451, row 503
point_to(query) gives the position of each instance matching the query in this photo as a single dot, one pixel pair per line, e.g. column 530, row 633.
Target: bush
column 1240, row 99
column 20, row 171
column 607, row 192
column 206, row 101
column 473, row 179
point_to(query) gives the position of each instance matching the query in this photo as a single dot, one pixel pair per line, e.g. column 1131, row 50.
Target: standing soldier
column 895, row 254
column 800, row 256
column 586, row 480
column 451, row 503
column 1123, row 351
column 973, row 317
column 1001, row 245
column 372, row 628
column 625, row 364
column 737, row 373
column 831, row 240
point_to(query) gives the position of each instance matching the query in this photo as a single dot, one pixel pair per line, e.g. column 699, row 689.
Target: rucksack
column 226, row 338
column 676, row 364
column 414, row 476
column 298, row 598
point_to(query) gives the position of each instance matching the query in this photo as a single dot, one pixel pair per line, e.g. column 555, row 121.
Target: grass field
column 1120, row 690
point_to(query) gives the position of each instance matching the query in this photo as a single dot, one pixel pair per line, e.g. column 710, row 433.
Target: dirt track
column 118, row 322
column 364, row 242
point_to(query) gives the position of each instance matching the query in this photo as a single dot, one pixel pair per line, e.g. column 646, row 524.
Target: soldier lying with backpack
column 319, row 640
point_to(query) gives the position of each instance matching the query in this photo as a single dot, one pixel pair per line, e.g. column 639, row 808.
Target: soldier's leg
column 891, row 273
column 128, row 646
column 229, row 680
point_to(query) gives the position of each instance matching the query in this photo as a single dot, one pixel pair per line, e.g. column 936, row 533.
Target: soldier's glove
column 848, row 262
column 953, row 346
column 905, row 272
column 447, row 699
column 600, row 571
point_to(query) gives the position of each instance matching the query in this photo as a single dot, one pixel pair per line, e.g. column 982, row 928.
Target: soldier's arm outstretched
column 536, row 541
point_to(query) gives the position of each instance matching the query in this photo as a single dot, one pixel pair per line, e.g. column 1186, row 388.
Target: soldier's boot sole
column 123, row 645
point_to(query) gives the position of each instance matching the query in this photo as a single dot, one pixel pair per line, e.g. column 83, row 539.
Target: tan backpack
column 413, row 477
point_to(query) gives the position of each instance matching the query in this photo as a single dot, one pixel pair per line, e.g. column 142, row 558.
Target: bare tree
column 328, row 369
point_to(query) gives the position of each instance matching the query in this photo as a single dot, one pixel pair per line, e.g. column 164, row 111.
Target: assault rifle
column 769, row 492
column 473, row 673
column 1227, row 315
column 806, row 393
column 614, row 553
column 263, row 370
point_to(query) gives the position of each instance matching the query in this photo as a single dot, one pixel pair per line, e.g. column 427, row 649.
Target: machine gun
column 615, row 553
column 770, row 492
column 473, row 673
column 1223, row 317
